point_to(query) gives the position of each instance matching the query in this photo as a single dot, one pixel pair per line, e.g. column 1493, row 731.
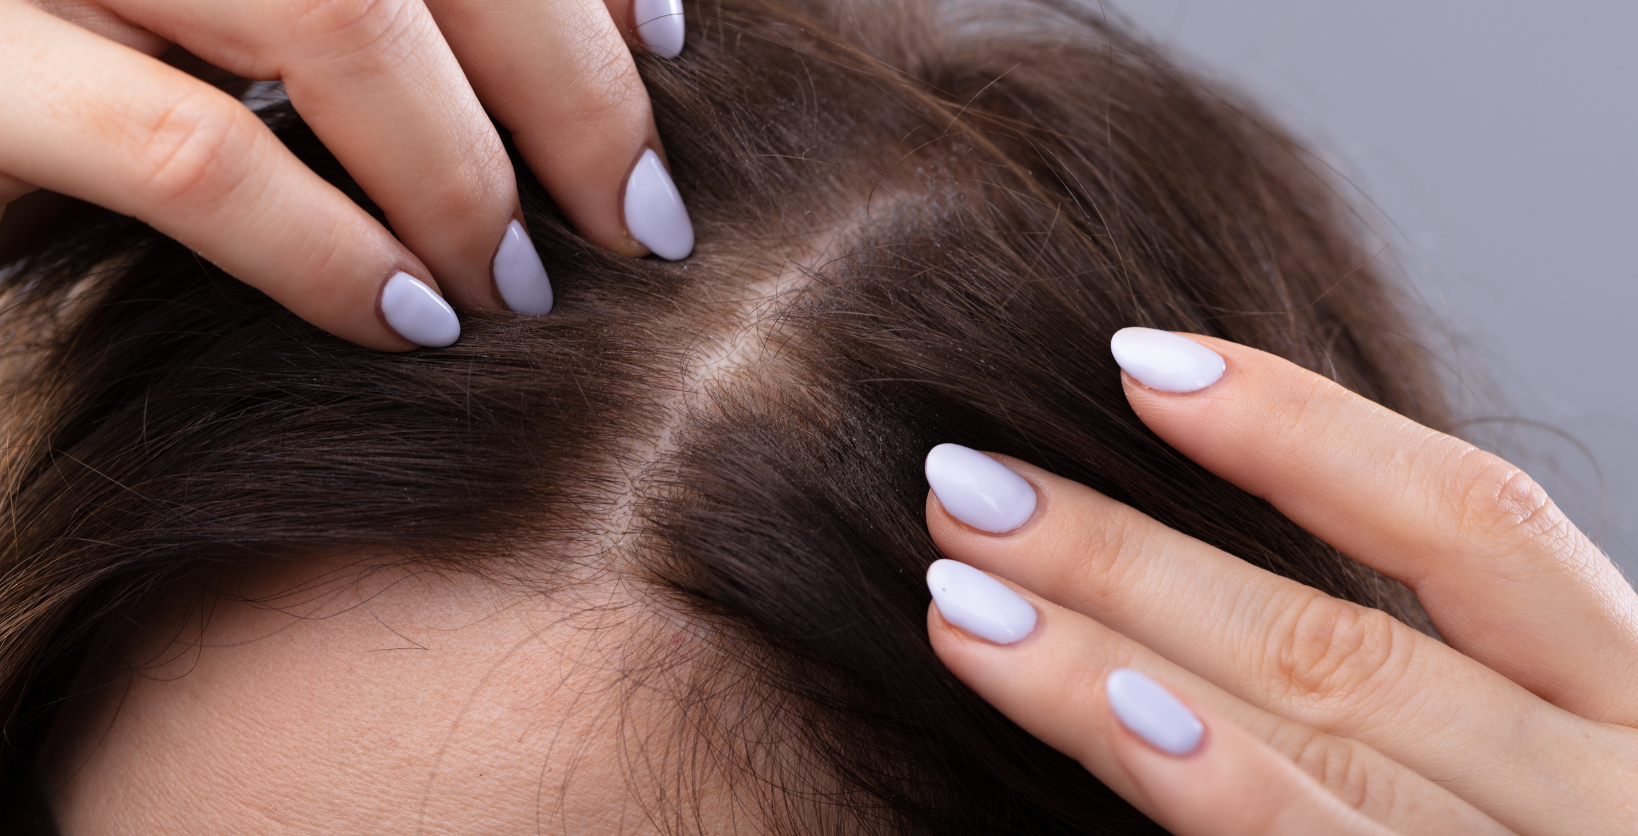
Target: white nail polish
column 979, row 490
column 659, row 26
column 978, row 603
column 519, row 275
column 655, row 214
column 418, row 313
column 1152, row 713
column 1165, row 361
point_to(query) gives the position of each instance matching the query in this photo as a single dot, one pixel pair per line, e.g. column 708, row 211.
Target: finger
column 97, row 18
column 1505, row 576
column 560, row 77
column 1228, row 784
column 378, row 84
column 12, row 188
column 1284, row 647
column 95, row 120
column 1045, row 667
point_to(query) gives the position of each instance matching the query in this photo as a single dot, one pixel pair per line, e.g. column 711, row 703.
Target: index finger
column 1505, row 576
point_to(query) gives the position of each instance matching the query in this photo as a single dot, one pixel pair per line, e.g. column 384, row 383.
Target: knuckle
column 1496, row 502
column 609, row 88
column 1336, row 765
column 1338, row 656
column 351, row 27
column 1351, row 771
column 194, row 151
column 1100, row 550
column 1294, row 420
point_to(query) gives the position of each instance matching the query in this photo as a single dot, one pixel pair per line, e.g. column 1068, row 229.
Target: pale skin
column 349, row 697
column 1323, row 716
column 397, row 89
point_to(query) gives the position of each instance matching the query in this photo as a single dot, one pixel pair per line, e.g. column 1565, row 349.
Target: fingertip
column 1165, row 361
column 979, row 604
column 519, row 274
column 1147, row 709
column 655, row 214
column 415, row 312
column 660, row 26
column 978, row 490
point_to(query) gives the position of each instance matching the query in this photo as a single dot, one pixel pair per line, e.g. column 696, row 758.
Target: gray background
column 1497, row 140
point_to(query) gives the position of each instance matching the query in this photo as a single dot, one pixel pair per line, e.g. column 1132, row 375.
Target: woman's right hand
column 397, row 90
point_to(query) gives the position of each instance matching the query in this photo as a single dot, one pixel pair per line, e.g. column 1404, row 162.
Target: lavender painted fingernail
column 655, row 214
column 979, row 490
column 978, row 603
column 519, row 275
column 1150, row 711
column 1166, row 361
column 659, row 26
column 417, row 312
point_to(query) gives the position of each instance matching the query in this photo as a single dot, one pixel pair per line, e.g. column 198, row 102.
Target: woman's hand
column 397, row 90
column 1294, row 712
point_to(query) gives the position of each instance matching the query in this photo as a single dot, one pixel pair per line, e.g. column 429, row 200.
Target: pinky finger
column 1221, row 782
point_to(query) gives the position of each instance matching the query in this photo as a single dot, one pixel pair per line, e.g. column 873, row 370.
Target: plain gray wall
column 1497, row 139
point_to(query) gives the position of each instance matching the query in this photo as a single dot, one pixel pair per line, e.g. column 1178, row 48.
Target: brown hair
column 917, row 223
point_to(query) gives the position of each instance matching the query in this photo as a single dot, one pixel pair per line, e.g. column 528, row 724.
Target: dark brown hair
column 917, row 223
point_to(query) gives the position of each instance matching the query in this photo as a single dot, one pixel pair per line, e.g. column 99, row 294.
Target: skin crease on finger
column 378, row 699
column 99, row 19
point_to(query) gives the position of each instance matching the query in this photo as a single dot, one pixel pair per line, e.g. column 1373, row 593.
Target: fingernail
column 519, row 275
column 1150, row 711
column 978, row 603
column 660, row 26
column 1165, row 361
column 979, row 490
column 417, row 312
column 655, row 214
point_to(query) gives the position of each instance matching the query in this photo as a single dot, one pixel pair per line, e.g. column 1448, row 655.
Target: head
column 653, row 562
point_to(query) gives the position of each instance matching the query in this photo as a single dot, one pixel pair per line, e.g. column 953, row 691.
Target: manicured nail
column 655, row 214
column 978, row 603
column 659, row 26
column 417, row 312
column 1150, row 711
column 1165, row 361
column 979, row 490
column 519, row 275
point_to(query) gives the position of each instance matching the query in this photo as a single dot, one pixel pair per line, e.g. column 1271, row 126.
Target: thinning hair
column 918, row 223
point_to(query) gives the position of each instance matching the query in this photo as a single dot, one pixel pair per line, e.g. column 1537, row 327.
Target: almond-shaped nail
column 979, row 490
column 655, row 214
column 417, row 312
column 519, row 275
column 978, row 603
column 1166, row 361
column 659, row 26
column 1150, row 711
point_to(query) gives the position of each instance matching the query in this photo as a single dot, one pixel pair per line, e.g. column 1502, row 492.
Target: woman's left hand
column 1298, row 712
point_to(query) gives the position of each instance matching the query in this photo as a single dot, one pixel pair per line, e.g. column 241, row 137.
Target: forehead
column 385, row 700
